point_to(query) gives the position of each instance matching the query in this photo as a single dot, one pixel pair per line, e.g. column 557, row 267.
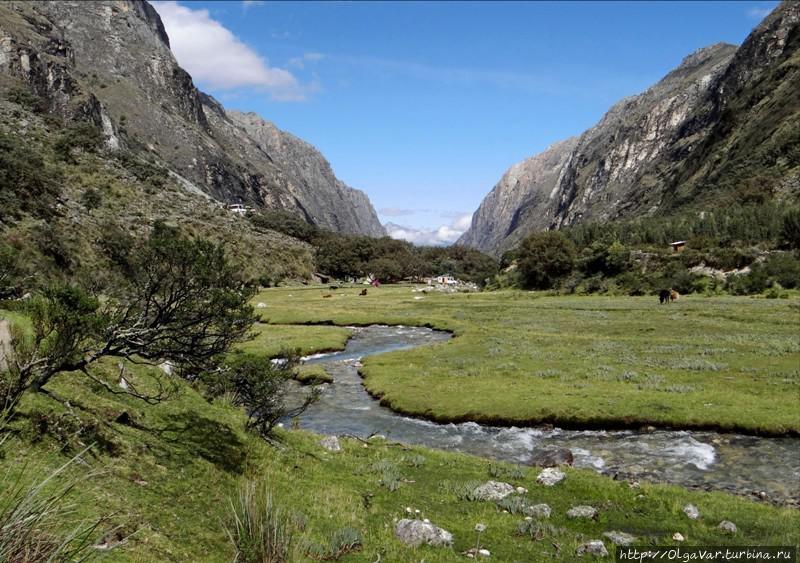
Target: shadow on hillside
column 211, row 440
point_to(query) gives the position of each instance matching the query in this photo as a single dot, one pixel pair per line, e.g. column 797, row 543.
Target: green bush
column 545, row 259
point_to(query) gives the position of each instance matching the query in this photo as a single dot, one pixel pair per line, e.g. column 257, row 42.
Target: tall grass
column 260, row 530
column 31, row 512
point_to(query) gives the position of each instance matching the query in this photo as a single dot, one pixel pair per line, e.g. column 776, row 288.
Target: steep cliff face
column 110, row 62
column 720, row 126
column 306, row 164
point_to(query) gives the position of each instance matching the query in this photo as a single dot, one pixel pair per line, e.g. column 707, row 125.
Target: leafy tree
column 27, row 183
column 545, row 258
column 184, row 304
column 10, row 271
column 790, row 229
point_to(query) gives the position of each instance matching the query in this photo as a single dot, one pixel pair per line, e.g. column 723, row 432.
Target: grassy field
column 165, row 475
column 729, row 363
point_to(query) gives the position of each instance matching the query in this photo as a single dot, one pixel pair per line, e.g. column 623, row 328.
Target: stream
column 769, row 467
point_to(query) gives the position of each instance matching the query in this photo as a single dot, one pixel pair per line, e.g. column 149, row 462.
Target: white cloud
column 396, row 211
column 441, row 236
column 300, row 62
column 246, row 4
column 216, row 58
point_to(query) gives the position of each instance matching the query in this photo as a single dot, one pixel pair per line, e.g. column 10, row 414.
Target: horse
column 664, row 296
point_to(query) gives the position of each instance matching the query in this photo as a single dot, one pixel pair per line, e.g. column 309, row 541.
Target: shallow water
column 710, row 460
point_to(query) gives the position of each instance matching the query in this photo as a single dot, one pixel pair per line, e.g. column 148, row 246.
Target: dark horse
column 663, row 296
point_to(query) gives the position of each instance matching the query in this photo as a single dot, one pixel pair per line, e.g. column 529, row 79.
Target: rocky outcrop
column 110, row 63
column 720, row 126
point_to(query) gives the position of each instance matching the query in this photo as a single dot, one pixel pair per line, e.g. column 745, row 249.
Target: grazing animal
column 664, row 296
column 326, row 295
column 363, row 291
column 334, row 287
column 673, row 295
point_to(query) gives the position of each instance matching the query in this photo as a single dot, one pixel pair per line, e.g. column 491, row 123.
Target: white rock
column 330, row 443
column 522, row 490
column 537, row 511
column 493, row 490
column 619, row 538
column 582, row 512
column 261, row 306
column 484, row 553
column 551, row 476
column 691, row 511
column 592, row 547
column 677, row 536
column 727, row 526
column 416, row 532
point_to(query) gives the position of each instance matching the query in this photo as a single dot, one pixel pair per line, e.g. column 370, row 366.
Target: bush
column 79, row 136
column 27, row 183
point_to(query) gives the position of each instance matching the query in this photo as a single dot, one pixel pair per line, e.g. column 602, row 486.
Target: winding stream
column 709, row 460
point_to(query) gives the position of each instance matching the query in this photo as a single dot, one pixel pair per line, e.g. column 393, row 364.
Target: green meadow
column 727, row 363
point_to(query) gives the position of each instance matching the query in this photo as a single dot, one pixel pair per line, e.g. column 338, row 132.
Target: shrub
column 79, row 136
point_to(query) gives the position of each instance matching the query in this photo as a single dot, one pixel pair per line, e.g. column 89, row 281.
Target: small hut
column 678, row 245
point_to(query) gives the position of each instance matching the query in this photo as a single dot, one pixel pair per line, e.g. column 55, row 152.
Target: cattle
column 363, row 291
column 334, row 287
column 326, row 296
column 664, row 296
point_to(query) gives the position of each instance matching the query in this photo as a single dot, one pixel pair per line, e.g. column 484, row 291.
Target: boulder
column 582, row 512
column 619, row 538
column 330, row 443
column 727, row 526
column 592, row 547
column 550, row 477
column 691, row 512
column 537, row 511
column 493, row 490
column 677, row 536
column 416, row 532
column 552, row 457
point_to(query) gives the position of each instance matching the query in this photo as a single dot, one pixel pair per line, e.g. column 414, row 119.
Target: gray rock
column 416, row 532
column 330, row 443
column 552, row 458
column 493, row 490
column 537, row 511
column 592, row 547
column 727, row 526
column 691, row 512
column 582, row 511
column 619, row 538
column 550, row 477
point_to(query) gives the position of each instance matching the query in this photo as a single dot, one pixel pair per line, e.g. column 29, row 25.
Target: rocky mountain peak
column 110, row 62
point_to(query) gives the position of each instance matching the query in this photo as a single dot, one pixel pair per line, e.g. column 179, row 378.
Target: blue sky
column 425, row 105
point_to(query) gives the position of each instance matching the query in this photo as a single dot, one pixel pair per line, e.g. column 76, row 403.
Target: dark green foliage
column 150, row 174
column 11, row 271
column 260, row 386
column 790, row 229
column 50, row 240
column 286, row 223
column 27, row 99
column 545, row 259
column 91, row 199
column 27, row 183
column 77, row 137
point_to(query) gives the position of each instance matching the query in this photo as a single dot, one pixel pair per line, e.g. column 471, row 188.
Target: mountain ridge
column 669, row 148
column 110, row 63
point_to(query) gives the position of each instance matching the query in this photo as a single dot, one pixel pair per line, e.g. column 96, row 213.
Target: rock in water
column 619, row 538
column 582, row 512
column 493, row 490
column 416, row 532
column 330, row 443
column 550, row 477
column 691, row 512
column 552, row 458
column 592, row 547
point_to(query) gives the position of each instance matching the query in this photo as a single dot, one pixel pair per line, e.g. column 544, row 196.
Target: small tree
column 544, row 259
column 259, row 385
column 185, row 304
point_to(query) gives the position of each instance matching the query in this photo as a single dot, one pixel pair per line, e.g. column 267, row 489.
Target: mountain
column 110, row 63
column 722, row 128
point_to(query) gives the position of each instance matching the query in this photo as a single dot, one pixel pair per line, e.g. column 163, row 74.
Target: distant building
column 445, row 279
column 678, row 245
column 238, row 208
